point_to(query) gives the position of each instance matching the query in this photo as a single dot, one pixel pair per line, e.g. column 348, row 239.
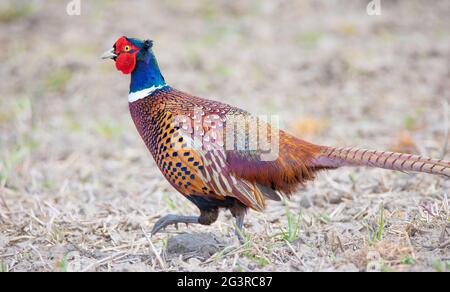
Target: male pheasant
column 214, row 154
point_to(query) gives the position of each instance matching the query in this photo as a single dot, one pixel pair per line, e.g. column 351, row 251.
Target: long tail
column 330, row 157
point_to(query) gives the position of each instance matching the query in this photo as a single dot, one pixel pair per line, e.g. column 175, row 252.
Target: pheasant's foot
column 173, row 220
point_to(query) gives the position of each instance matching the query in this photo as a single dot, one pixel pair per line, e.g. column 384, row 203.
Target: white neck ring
column 134, row 96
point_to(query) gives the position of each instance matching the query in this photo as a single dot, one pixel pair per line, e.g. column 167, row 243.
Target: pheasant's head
column 136, row 57
column 126, row 52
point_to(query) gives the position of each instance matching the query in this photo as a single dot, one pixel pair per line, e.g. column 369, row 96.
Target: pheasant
column 216, row 155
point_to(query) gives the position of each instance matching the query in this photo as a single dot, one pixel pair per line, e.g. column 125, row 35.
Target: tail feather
column 331, row 157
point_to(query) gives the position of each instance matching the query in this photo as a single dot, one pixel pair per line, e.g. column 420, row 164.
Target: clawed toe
column 170, row 219
column 162, row 223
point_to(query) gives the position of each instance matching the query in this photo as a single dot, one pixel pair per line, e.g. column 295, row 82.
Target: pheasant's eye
column 126, row 48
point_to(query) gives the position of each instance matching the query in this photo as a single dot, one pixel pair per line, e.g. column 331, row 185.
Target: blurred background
column 76, row 181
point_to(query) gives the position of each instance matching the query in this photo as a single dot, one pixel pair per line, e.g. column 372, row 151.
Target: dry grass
column 79, row 192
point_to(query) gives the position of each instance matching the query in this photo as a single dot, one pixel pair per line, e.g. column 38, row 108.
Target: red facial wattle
column 126, row 55
column 126, row 62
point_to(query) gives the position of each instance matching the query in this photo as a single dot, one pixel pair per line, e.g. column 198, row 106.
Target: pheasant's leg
column 207, row 217
column 238, row 211
column 240, row 227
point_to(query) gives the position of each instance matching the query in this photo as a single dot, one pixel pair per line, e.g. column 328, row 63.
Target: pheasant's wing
column 200, row 122
column 231, row 165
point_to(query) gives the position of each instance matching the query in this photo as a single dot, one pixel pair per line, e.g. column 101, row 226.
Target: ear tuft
column 148, row 44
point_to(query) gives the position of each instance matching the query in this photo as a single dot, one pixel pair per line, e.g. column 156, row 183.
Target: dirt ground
column 80, row 192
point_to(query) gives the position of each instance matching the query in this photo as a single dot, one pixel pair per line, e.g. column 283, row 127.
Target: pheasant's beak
column 109, row 54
